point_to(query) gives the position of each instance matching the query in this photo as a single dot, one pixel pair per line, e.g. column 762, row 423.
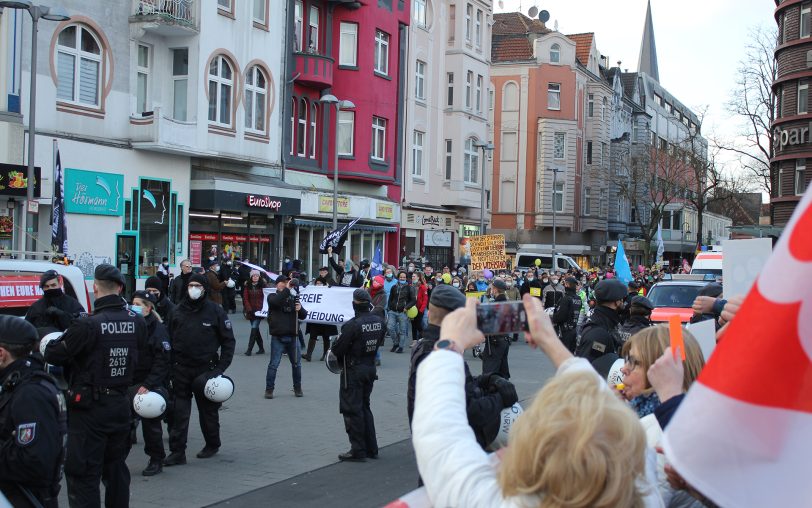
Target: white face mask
column 456, row 284
column 195, row 293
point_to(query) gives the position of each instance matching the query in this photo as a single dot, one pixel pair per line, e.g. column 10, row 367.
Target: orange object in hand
column 677, row 342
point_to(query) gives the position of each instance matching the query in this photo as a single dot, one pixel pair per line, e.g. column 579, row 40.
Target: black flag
column 59, row 230
column 336, row 238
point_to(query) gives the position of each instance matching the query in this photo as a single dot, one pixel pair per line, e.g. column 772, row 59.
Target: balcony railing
column 169, row 17
column 314, row 70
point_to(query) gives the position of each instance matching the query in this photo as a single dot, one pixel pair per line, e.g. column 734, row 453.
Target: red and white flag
column 743, row 434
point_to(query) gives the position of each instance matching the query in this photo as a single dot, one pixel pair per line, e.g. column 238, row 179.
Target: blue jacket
column 387, row 285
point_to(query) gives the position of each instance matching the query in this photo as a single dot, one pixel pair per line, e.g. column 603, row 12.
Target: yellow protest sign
column 488, row 251
column 535, row 292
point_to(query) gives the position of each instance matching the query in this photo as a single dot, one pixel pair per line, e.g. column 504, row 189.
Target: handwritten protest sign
column 488, row 251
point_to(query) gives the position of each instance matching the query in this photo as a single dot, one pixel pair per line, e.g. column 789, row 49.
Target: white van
column 525, row 260
column 709, row 262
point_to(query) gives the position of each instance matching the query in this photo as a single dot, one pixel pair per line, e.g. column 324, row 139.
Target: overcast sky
column 699, row 42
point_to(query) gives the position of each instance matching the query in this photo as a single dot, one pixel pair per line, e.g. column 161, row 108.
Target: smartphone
column 501, row 318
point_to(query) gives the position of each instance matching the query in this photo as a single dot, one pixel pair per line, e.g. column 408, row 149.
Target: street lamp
column 686, row 230
column 51, row 14
column 555, row 171
column 485, row 147
column 340, row 104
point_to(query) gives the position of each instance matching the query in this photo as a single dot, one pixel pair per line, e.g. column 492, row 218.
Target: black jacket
column 600, row 334
column 283, row 319
column 199, row 329
column 177, row 289
column 33, row 426
column 56, row 312
column 165, row 308
column 152, row 370
column 528, row 287
column 566, row 314
column 351, row 279
column 360, row 339
column 633, row 325
column 401, row 297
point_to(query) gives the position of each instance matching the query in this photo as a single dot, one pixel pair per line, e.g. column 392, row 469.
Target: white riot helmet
column 507, row 419
column 43, row 343
column 149, row 405
column 219, row 389
column 615, row 376
column 230, row 283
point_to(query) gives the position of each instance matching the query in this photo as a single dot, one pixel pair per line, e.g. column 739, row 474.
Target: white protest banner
column 323, row 304
column 742, row 261
column 705, row 333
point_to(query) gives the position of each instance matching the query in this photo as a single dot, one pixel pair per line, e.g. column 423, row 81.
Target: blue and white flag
column 376, row 268
column 660, row 244
column 622, row 270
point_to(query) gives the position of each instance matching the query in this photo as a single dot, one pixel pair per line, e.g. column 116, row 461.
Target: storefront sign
column 427, row 220
column 234, row 238
column 797, row 136
column 93, row 192
column 326, row 204
column 226, row 237
column 488, row 251
column 14, row 180
column 467, row 230
column 230, row 201
column 206, row 237
column 268, row 202
column 195, row 252
column 384, row 211
column 437, row 238
column 19, row 290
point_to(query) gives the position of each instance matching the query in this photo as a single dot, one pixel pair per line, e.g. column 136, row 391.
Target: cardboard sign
column 488, row 251
column 677, row 341
column 742, row 261
column 535, row 292
column 323, row 304
column 705, row 333
column 19, row 290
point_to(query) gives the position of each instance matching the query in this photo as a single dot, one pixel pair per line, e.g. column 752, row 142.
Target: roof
column 511, row 49
column 628, row 80
column 647, row 61
column 512, row 36
column 583, row 46
column 516, row 23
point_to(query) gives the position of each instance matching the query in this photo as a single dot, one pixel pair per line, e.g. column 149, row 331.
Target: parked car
column 19, row 284
column 526, row 259
column 675, row 296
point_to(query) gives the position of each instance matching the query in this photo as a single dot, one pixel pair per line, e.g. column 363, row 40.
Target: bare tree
column 752, row 101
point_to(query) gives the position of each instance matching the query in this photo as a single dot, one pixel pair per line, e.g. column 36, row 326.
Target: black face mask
column 361, row 307
column 53, row 293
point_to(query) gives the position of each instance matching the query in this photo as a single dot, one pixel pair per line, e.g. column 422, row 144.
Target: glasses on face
column 632, row 361
column 186, row 267
column 195, row 285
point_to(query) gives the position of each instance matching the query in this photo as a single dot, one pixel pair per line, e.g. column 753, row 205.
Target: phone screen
column 501, row 318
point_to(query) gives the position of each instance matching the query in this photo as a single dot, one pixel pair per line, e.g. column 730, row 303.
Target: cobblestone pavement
column 267, row 441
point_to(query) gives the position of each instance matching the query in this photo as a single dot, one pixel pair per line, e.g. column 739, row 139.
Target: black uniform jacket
column 152, row 370
column 360, row 339
column 199, row 329
column 600, row 334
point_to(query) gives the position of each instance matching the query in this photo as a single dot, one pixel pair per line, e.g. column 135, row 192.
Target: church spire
column 648, row 50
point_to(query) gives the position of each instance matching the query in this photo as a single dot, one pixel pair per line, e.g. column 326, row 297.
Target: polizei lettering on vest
column 370, row 327
column 117, row 327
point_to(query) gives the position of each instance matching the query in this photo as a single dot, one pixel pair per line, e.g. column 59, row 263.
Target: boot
column 251, row 340
column 259, row 343
column 311, row 345
column 326, row 341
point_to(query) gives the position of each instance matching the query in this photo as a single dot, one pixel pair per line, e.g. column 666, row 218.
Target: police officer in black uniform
column 199, row 329
column 163, row 304
column 55, row 309
column 495, row 353
column 102, row 352
column 33, row 421
column 600, row 334
column 565, row 317
column 355, row 349
column 640, row 309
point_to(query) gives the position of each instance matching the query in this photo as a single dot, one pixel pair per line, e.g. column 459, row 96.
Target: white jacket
column 456, row 471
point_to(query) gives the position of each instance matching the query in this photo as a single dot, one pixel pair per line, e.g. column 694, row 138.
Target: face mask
column 195, row 293
column 481, row 279
column 411, row 269
column 215, row 268
column 555, row 281
column 509, row 283
column 347, row 267
column 361, row 307
column 456, row 284
column 453, row 274
column 53, row 293
column 415, row 281
column 530, row 279
column 544, row 280
column 287, row 260
column 438, row 280
column 166, row 265
column 389, row 276
column 402, row 282
column 137, row 309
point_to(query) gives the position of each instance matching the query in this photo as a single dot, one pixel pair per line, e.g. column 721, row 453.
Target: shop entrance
column 125, row 261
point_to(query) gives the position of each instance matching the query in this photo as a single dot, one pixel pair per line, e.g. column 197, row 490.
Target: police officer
column 566, row 314
column 55, row 309
column 640, row 309
column 495, row 353
column 355, row 349
column 101, row 352
column 152, row 374
column 163, row 305
column 200, row 329
column 634, row 287
column 33, row 421
column 600, row 334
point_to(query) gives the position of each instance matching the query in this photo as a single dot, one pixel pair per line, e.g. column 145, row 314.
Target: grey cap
column 610, row 290
column 447, row 297
column 642, row 301
column 109, row 273
column 499, row 284
column 16, row 330
column 361, row 295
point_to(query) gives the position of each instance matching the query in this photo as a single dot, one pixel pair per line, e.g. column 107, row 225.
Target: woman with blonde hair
column 576, row 446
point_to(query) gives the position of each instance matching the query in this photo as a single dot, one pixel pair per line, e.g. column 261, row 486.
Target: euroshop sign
column 266, row 202
column 782, row 138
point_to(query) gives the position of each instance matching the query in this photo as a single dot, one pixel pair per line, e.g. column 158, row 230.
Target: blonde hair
column 576, row 446
column 151, row 306
column 652, row 342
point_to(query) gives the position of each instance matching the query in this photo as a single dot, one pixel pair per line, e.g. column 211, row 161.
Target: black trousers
column 495, row 357
column 353, row 403
column 208, row 411
column 229, row 299
column 98, row 445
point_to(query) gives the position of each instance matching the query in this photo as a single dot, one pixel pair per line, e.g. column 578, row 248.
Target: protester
column 346, row 274
column 552, row 293
column 216, row 286
column 253, row 300
column 316, row 331
column 55, row 309
column 708, row 304
column 284, row 313
column 177, row 290
column 163, row 306
column 401, row 297
column 456, row 282
column 164, row 274
column 422, row 302
column 532, row 286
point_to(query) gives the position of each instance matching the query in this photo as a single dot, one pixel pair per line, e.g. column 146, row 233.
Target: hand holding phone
column 501, row 318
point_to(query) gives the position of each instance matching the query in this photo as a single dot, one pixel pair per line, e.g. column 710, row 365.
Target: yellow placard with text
column 488, row 251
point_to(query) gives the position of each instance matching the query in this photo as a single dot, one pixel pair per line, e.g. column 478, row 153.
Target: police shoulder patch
column 228, row 324
column 166, row 345
column 26, row 433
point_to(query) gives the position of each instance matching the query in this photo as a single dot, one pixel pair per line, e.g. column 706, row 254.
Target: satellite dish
column 533, row 11
column 501, row 4
column 544, row 16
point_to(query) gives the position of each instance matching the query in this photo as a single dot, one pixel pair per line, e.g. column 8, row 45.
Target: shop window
column 128, row 210
column 153, row 225
column 179, row 230
column 135, row 203
column 173, row 232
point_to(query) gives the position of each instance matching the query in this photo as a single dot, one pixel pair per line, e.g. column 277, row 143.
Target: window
column 260, row 12
column 450, row 81
column 590, row 106
column 381, row 52
column 471, row 162
column 417, row 154
column 803, row 96
column 142, row 78
column 420, row 13
column 452, row 22
column 663, row 144
column 587, row 200
column 658, row 100
column 313, row 31
column 510, row 97
column 554, row 96
column 378, row 138
column 469, row 83
column 220, row 89
column 780, row 182
column 633, row 214
column 589, row 152
column 420, row 80
column 78, row 66
column 448, row 159
column 346, row 133
column 225, row 5
column 180, row 83
column 348, row 45
column 256, row 91
column 298, row 24
column 559, row 142
column 469, row 13
column 806, row 14
column 155, row 200
column 676, row 220
column 311, row 139
column 293, row 125
column 652, row 138
column 301, row 128
column 603, row 153
column 479, row 93
column 555, row 54
column 800, row 177
column 478, row 28
column 603, row 109
column 558, row 196
column 635, row 132
column 490, row 99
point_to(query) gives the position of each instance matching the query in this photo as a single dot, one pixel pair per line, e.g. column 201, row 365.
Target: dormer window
column 555, row 53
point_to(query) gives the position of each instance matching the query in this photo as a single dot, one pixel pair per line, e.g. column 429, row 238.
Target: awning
column 358, row 226
column 758, row 231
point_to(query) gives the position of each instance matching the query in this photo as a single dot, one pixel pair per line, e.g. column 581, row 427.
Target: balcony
column 161, row 134
column 313, row 70
column 167, row 18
